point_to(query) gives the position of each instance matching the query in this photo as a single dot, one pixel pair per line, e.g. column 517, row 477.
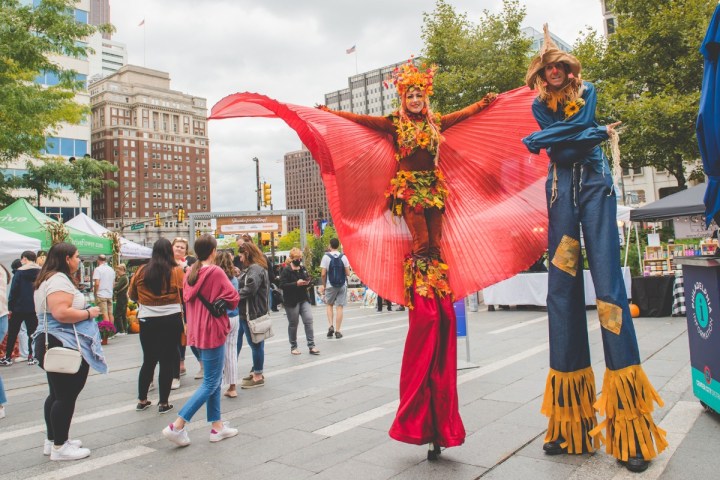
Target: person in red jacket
column 206, row 283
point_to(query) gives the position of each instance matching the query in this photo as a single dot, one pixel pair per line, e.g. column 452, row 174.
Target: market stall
column 22, row 218
column 128, row 249
column 13, row 244
column 531, row 289
column 660, row 291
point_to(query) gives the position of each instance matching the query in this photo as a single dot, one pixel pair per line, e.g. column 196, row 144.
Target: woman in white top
column 63, row 313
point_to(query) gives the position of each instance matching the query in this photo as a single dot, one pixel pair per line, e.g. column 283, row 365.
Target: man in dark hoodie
column 21, row 304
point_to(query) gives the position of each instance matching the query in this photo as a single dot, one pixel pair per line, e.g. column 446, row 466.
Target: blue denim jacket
column 570, row 140
column 88, row 334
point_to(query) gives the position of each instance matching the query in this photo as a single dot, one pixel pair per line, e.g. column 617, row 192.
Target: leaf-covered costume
column 485, row 182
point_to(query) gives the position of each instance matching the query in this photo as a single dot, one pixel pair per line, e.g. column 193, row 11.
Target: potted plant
column 107, row 330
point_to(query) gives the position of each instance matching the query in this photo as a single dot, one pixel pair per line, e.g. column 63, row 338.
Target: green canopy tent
column 21, row 217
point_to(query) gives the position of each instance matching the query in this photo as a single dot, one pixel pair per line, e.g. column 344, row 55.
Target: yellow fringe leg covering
column 568, row 402
column 627, row 402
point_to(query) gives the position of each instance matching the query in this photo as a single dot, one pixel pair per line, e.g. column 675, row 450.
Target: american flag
column 142, row 23
column 350, row 50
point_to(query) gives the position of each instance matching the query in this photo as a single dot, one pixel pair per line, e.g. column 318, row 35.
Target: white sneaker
column 47, row 446
column 225, row 432
column 68, row 452
column 178, row 437
column 2, row 412
column 199, row 375
column 175, row 384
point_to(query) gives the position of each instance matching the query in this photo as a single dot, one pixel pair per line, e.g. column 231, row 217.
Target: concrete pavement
column 327, row 416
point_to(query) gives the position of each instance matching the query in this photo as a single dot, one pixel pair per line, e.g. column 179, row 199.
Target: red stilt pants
column 428, row 410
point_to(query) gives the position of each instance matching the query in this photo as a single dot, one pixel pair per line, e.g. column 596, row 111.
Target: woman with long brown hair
column 254, row 287
column 206, row 284
column 157, row 288
column 65, row 320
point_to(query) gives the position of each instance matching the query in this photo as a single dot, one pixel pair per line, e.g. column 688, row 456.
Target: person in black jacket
column 21, row 304
column 294, row 281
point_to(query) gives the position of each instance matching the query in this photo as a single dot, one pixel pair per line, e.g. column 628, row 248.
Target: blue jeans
column 257, row 349
column 586, row 197
column 209, row 392
column 3, row 331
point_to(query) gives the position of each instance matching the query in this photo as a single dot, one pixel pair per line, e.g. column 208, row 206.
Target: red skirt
column 428, row 410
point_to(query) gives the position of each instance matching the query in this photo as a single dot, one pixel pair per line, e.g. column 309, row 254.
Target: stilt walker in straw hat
column 580, row 191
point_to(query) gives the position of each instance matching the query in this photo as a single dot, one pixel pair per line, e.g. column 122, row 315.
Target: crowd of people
column 206, row 301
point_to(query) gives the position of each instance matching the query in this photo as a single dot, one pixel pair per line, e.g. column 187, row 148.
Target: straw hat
column 550, row 53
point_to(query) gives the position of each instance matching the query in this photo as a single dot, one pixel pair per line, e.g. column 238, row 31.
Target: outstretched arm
column 382, row 124
column 451, row 119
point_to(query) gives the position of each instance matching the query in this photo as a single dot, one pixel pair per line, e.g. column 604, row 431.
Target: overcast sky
column 293, row 51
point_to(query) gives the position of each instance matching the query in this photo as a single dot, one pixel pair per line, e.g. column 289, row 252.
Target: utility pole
column 257, row 176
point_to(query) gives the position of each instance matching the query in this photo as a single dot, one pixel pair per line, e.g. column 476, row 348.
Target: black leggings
column 64, row 391
column 16, row 320
column 159, row 337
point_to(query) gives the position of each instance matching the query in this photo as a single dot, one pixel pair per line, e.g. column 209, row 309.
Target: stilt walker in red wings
column 465, row 203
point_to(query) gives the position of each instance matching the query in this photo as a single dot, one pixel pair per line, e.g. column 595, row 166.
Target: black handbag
column 218, row 308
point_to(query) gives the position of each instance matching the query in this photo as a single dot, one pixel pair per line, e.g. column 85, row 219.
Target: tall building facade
column 100, row 14
column 67, row 141
column 157, row 137
column 366, row 93
column 304, row 189
column 108, row 57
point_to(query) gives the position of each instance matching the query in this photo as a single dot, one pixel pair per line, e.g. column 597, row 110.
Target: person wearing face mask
column 294, row 281
column 580, row 191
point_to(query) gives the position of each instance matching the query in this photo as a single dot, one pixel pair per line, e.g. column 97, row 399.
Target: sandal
column 231, row 394
column 295, row 351
column 314, row 351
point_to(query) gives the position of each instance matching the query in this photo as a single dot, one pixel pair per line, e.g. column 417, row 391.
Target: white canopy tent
column 128, row 249
column 13, row 244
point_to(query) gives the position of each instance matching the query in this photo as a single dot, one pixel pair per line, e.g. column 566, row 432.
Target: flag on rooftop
column 350, row 50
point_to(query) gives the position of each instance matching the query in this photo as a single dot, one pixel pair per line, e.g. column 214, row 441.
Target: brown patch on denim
column 567, row 255
column 610, row 316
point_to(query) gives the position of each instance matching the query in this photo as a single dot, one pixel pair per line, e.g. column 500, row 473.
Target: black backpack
column 336, row 270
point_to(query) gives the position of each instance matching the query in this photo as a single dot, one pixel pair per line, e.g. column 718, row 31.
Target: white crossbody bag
column 61, row 359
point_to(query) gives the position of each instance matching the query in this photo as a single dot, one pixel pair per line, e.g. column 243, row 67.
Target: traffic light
column 267, row 194
column 157, row 220
column 180, row 214
column 198, row 233
column 265, row 239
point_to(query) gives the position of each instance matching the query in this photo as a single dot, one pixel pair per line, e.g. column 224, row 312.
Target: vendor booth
column 22, row 218
column 660, row 291
column 128, row 249
column 13, row 244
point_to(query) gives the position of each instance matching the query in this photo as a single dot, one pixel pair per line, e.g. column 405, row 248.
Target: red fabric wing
column 495, row 220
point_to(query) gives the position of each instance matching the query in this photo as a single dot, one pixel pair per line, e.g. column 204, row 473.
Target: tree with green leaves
column 31, row 39
column 474, row 59
column 85, row 176
column 648, row 74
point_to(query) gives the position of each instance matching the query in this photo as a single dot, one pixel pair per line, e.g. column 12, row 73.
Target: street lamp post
column 122, row 210
column 257, row 176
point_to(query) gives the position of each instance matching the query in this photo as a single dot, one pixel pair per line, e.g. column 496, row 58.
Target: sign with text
column 230, row 225
column 137, row 226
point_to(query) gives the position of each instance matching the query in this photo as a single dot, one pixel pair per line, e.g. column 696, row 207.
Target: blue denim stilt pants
column 585, row 197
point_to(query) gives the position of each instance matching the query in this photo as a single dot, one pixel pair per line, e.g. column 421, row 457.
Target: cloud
column 292, row 51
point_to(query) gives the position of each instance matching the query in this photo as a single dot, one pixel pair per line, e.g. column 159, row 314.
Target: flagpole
column 356, row 62
column 144, row 42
